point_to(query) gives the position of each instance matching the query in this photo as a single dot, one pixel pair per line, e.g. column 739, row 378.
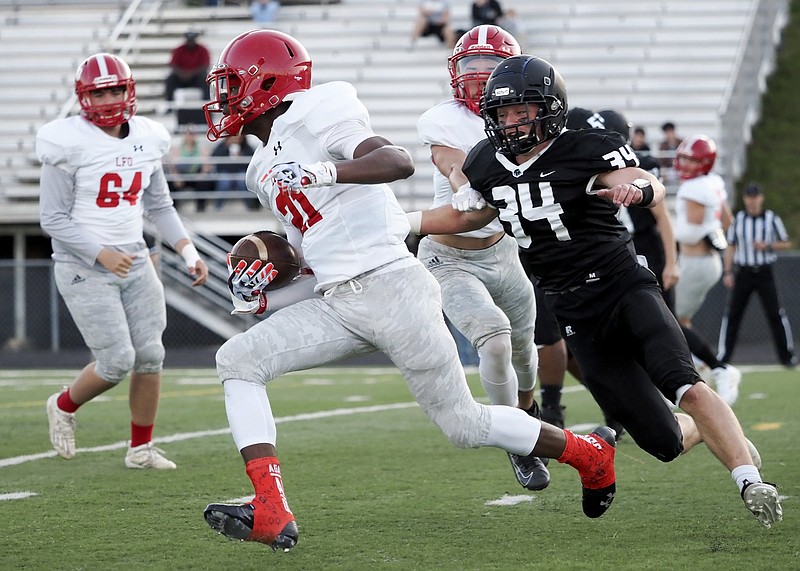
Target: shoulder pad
column 329, row 104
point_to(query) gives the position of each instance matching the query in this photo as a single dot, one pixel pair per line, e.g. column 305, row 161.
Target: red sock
column 583, row 454
column 271, row 509
column 65, row 403
column 140, row 434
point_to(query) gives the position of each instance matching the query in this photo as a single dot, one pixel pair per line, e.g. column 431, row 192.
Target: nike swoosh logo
column 544, row 174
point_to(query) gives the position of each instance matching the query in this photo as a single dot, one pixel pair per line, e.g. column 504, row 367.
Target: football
column 268, row 247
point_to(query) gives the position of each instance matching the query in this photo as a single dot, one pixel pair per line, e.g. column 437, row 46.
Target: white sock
column 746, row 473
column 249, row 413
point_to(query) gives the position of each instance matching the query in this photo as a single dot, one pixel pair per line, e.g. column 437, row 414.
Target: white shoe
column 148, row 456
column 62, row 428
column 754, row 454
column 762, row 499
column 726, row 381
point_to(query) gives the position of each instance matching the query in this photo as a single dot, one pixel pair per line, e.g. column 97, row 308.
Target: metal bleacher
column 654, row 60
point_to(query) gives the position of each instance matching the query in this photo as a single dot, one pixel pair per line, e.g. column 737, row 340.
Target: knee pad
column 465, row 423
column 150, row 359
column 114, row 363
column 495, row 354
column 233, row 360
column 524, row 358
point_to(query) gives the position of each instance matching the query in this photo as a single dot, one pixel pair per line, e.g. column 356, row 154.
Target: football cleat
column 762, row 499
column 148, row 456
column 239, row 522
column 62, row 428
column 553, row 415
column 530, row 471
column 726, row 382
column 597, row 492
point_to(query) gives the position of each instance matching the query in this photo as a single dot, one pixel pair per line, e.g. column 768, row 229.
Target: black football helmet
column 581, row 118
column 616, row 121
column 518, row 80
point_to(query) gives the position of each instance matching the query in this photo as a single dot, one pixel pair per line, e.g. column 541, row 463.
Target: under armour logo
column 277, row 148
column 138, row 147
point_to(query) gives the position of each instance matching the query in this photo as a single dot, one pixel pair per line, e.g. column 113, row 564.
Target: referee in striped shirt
column 754, row 237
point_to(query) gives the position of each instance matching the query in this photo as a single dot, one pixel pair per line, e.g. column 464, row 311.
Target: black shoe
column 596, row 502
column 530, row 471
column 236, row 522
column 553, row 415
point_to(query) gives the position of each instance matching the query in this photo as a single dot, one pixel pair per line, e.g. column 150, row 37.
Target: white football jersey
column 345, row 229
column 708, row 190
column 109, row 173
column 451, row 124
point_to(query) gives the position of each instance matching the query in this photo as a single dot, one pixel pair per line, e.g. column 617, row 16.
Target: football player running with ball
column 323, row 172
column 558, row 192
column 485, row 291
column 101, row 173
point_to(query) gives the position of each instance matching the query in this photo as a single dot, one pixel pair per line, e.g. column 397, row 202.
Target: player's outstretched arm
column 631, row 186
column 447, row 220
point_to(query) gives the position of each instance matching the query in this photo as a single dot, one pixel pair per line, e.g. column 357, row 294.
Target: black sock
column 551, row 396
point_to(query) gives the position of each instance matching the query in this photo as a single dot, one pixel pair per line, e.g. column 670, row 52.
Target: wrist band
column 648, row 193
column 415, row 221
column 190, row 255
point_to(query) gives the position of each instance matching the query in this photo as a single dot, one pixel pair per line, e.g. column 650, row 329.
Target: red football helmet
column 255, row 72
column 695, row 157
column 102, row 71
column 476, row 54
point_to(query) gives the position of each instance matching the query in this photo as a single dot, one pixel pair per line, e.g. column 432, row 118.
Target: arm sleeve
column 689, row 233
column 55, row 204
column 160, row 209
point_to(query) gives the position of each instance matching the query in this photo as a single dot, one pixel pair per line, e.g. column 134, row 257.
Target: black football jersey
column 567, row 234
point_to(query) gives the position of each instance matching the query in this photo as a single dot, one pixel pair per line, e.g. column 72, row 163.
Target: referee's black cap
column 752, row 189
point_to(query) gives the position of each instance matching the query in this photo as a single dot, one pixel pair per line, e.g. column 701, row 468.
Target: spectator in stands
column 639, row 141
column 232, row 155
column 189, row 64
column 491, row 12
column 486, row 12
column 264, row 11
column 668, row 144
column 187, row 167
column 433, row 19
column 753, row 238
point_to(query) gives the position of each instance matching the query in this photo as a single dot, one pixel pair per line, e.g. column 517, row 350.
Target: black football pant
column 631, row 351
column 760, row 280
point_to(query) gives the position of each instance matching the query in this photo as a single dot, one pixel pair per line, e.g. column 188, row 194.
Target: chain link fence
column 36, row 329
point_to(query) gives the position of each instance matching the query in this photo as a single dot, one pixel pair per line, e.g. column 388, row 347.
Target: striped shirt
column 746, row 230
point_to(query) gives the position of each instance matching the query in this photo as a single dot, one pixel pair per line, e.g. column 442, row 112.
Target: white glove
column 467, row 199
column 247, row 284
column 295, row 177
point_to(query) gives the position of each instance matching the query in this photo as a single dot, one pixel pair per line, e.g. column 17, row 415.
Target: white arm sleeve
column 160, row 209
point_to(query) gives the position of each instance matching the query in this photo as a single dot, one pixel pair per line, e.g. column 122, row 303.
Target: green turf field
column 373, row 485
